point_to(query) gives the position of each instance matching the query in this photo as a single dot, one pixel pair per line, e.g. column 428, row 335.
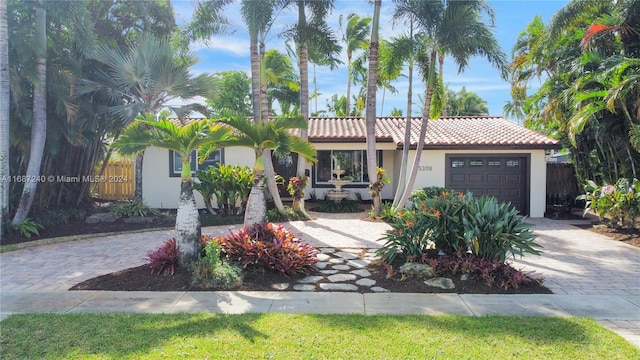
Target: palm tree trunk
column 402, row 177
column 4, row 116
column 348, row 102
column 138, row 177
column 188, row 230
column 303, row 65
column 269, row 171
column 426, row 109
column 375, row 185
column 256, row 211
column 39, row 125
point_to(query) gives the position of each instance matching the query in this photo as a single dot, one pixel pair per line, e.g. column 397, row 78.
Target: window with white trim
column 175, row 162
column 349, row 163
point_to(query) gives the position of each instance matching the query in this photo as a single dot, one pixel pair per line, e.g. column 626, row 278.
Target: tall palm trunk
column 39, row 124
column 4, row 116
column 303, row 65
column 269, row 171
column 402, row 178
column 188, row 228
column 375, row 185
column 349, row 79
column 426, row 110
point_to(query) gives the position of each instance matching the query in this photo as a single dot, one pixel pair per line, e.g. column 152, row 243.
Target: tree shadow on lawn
column 126, row 335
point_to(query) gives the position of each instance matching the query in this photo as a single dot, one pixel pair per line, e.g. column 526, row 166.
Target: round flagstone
column 310, row 279
column 366, row 282
column 338, row 287
column 341, row 267
column 353, row 250
column 336, row 261
column 323, row 257
column 361, row 272
column 321, row 264
column 341, row 277
column 327, row 250
column 304, row 287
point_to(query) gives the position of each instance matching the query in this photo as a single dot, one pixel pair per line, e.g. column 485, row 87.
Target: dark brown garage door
column 504, row 177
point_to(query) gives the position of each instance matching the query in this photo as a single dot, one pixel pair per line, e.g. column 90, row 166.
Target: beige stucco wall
column 432, row 172
column 161, row 191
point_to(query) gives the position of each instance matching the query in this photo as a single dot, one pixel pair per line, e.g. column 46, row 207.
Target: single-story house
column 485, row 155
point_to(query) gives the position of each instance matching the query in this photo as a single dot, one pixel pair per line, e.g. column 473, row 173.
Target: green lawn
column 279, row 336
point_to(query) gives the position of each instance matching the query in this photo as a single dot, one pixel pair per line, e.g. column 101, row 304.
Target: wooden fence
column 562, row 184
column 116, row 183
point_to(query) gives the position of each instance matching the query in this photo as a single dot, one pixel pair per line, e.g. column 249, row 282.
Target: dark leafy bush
column 343, row 206
column 164, row 258
column 268, row 246
column 492, row 272
column 131, row 209
column 273, row 215
column 60, row 216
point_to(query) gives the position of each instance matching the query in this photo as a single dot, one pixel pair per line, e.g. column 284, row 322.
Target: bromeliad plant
column 268, row 246
column 164, row 258
column 618, row 204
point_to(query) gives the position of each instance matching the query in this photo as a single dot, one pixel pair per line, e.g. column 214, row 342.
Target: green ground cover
column 280, row 336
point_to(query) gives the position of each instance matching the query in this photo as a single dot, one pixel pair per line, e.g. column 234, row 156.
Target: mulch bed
column 140, row 279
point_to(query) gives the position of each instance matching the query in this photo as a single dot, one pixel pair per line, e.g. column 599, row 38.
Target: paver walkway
column 590, row 275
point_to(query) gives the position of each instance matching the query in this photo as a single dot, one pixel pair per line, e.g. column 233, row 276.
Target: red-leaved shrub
column 165, row 257
column 268, row 246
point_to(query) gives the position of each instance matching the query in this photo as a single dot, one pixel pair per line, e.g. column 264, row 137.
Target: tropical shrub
column 296, row 186
column 209, row 271
column 418, row 197
column 268, row 246
column 618, row 204
column 230, row 184
column 60, row 216
column 164, row 258
column 131, row 209
column 273, row 215
column 456, row 224
column 493, row 230
column 342, row 206
column 27, row 228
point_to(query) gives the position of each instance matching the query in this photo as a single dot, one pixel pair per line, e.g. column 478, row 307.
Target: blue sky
column 223, row 53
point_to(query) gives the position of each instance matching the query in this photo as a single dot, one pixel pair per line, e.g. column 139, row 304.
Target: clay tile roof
column 473, row 131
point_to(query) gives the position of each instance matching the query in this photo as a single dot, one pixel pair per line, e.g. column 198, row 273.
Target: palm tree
column 375, row 184
column 313, row 38
column 143, row 79
column 39, row 124
column 455, row 28
column 273, row 135
column 183, row 139
column 4, row 116
column 464, row 103
column 282, row 82
column 355, row 36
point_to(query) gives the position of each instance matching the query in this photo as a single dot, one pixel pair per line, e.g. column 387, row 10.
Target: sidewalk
column 590, row 275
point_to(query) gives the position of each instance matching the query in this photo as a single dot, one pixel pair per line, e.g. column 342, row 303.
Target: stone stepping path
column 339, row 270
